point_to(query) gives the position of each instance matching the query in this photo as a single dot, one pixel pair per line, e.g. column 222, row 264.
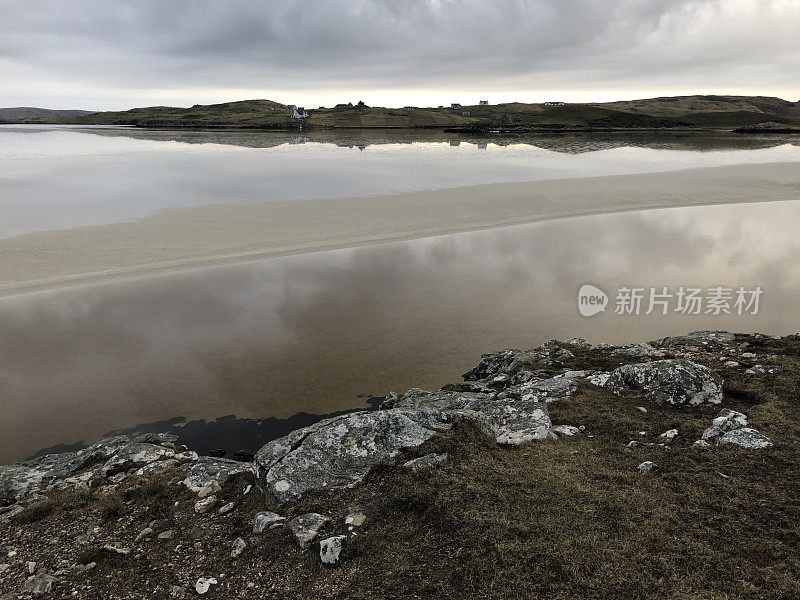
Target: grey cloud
column 392, row 44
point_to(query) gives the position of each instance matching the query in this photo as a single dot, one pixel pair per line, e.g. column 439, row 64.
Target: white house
column 298, row 112
column 455, row 106
column 554, row 104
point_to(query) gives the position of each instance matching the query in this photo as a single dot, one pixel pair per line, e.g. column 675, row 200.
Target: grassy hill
column 24, row 113
column 654, row 113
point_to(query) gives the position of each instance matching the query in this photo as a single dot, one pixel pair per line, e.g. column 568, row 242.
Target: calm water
column 323, row 332
column 62, row 177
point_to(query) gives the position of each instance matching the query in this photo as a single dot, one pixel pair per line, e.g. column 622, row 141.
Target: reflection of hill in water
column 569, row 143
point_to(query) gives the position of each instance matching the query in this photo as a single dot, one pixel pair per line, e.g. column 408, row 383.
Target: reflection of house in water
column 482, row 145
column 455, row 142
column 299, row 139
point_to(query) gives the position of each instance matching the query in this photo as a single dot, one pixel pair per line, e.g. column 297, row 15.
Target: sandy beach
column 195, row 237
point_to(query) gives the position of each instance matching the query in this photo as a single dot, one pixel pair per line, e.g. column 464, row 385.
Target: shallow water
column 57, row 177
column 323, row 332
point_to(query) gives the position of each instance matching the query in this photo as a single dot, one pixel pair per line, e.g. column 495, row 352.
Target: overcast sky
column 113, row 54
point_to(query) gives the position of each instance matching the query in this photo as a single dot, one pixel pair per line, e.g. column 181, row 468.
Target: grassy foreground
column 565, row 519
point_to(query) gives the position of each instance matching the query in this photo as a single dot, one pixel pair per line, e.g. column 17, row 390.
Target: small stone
column 144, row 533
column 330, row 549
column 764, row 370
column 166, row 535
column 359, row 518
column 205, row 505
column 31, row 567
column 647, row 467
column 642, row 409
column 568, row 430
column 701, row 444
column 631, row 445
column 429, row 461
column 238, row 547
column 4, row 567
column 227, row 508
column 306, row 527
column 204, row 584
column 116, row 549
column 264, row 519
column 669, row 435
column 177, row 591
column 38, row 584
column 748, row 355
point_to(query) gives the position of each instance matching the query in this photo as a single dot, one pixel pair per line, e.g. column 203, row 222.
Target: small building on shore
column 455, row 106
column 483, row 103
column 559, row 103
column 298, row 112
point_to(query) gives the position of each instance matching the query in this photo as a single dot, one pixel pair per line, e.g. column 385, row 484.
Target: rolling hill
column 714, row 112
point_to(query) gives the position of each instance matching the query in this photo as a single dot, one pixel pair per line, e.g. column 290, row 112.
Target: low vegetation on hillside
column 655, row 113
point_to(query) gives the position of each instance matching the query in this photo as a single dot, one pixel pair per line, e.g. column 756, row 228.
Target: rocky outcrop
column 731, row 427
column 340, row 452
column 677, row 382
column 108, row 457
column 697, row 339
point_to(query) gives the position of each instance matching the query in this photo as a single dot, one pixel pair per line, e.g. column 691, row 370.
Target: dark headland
column 674, row 113
column 664, row 469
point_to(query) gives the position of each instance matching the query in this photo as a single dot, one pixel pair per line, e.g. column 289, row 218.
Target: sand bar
column 212, row 235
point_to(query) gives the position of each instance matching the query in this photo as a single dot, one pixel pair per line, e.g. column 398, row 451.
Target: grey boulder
column 727, row 420
column 340, row 452
column 746, row 438
column 678, row 382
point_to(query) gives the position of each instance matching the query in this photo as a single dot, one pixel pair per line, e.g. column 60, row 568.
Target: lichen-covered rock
column 549, row 390
column 238, row 547
column 135, row 454
column 746, row 438
column 726, row 420
column 75, row 469
column 677, row 382
column 647, row 467
column 764, row 370
column 306, row 527
column 38, row 584
column 429, row 461
column 567, row 430
column 640, row 350
column 697, row 339
column 209, row 469
column 266, row 519
column 340, row 452
column 330, row 549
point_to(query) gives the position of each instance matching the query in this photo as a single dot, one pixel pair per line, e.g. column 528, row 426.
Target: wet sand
column 185, row 238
